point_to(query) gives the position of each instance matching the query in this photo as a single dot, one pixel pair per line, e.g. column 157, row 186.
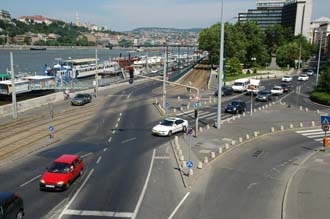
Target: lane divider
column 31, row 180
column 179, row 205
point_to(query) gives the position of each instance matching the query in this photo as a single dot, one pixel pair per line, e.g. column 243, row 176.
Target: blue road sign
column 51, row 128
column 190, row 131
column 325, row 120
column 189, row 164
column 196, row 105
column 167, row 105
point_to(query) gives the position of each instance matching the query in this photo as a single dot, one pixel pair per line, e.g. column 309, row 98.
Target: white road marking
column 184, row 113
column 179, row 205
column 116, row 125
column 105, row 149
column 86, row 155
column 109, row 140
column 251, row 185
column 162, row 158
column 75, row 194
column 98, row 160
column 138, row 205
column 312, row 130
column 207, row 115
column 99, row 213
column 128, row 140
column 31, row 180
column 129, row 95
column 314, row 135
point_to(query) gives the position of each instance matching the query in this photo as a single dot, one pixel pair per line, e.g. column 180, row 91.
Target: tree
column 27, row 40
column 276, row 36
column 233, row 66
column 125, row 43
column 324, row 83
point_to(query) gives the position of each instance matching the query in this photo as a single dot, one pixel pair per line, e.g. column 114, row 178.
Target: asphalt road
column 248, row 182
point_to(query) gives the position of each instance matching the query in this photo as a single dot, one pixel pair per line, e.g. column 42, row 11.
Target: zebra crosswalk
column 315, row 134
column 204, row 115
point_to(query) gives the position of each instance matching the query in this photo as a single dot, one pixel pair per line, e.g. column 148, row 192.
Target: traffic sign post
column 325, row 122
column 190, row 131
column 190, row 164
column 167, row 105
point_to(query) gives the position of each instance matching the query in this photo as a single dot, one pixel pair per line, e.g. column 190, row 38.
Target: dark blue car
column 236, row 107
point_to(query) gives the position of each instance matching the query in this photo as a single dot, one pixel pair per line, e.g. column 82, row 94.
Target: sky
column 125, row 15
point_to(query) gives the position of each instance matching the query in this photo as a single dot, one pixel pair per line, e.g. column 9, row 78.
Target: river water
column 32, row 62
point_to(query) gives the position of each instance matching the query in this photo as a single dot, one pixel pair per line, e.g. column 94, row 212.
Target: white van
column 241, row 85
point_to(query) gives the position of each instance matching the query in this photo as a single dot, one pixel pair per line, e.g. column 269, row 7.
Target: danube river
column 27, row 61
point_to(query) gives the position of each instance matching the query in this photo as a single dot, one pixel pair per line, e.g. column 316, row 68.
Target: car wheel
column 20, row 215
column 184, row 128
column 169, row 133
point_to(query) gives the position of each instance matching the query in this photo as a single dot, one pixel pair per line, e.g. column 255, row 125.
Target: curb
column 180, row 169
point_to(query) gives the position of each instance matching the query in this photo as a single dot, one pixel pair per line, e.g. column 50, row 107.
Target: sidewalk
column 212, row 143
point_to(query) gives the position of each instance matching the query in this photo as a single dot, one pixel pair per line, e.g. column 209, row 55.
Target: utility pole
column 319, row 60
column 13, row 92
column 164, row 77
column 301, row 35
column 220, row 69
column 96, row 75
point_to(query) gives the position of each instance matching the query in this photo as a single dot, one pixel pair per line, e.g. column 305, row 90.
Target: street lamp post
column 318, row 60
column 220, row 69
column 13, row 92
column 164, row 76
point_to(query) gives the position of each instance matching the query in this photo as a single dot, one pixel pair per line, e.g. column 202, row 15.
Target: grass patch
column 321, row 97
column 235, row 77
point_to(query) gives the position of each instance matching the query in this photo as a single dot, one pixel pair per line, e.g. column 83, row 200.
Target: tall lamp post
column 164, row 76
column 220, row 68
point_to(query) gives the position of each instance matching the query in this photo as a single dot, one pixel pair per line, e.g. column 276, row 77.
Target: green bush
column 321, row 97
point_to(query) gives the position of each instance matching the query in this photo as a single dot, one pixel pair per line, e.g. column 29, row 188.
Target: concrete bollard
column 188, row 106
column 238, row 116
column 272, row 129
column 227, row 145
column 255, row 110
column 266, row 106
column 183, row 164
column 263, row 107
column 205, row 103
column 306, row 109
column 179, row 98
column 291, row 126
column 220, row 150
column 233, row 118
column 270, row 104
column 212, row 155
column 180, row 152
column 174, row 110
column 200, row 129
column 313, row 124
column 240, row 139
column 244, row 114
column 317, row 111
column 255, row 134
column 191, row 172
column 300, row 108
column 247, row 137
column 282, row 128
column 210, row 99
column 206, row 160
column 301, row 125
column 259, row 108
column 190, row 98
column 207, row 126
column 181, row 158
column 233, row 142
column 181, row 108
column 156, row 101
column 200, row 165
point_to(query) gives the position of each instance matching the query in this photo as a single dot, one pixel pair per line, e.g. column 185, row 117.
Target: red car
column 62, row 173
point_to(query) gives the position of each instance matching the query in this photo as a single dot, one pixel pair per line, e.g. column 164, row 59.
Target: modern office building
column 294, row 14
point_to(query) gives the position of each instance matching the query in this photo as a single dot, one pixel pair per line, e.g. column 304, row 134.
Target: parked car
column 170, row 126
column 264, row 95
column 277, row 90
column 286, row 78
column 236, row 107
column 11, row 206
column 62, row 173
column 303, row 77
column 286, row 88
column 309, row 72
column 81, row 99
column 226, row 90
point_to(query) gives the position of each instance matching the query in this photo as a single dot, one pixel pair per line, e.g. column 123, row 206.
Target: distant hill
column 166, row 30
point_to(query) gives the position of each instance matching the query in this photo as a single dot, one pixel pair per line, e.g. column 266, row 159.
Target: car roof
column 67, row 158
column 287, row 76
column 172, row 118
column 277, row 86
column 5, row 195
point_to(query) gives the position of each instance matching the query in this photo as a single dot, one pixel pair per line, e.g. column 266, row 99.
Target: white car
column 309, row 72
column 303, row 77
column 170, row 126
column 286, row 78
column 277, row 90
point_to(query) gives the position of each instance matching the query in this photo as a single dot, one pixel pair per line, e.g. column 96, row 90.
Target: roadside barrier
column 200, row 165
column 212, row 155
column 220, row 150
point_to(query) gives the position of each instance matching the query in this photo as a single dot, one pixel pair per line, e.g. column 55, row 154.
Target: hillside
column 166, row 30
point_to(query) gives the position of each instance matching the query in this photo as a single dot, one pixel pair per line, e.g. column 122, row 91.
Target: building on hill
column 4, row 15
column 294, row 14
column 314, row 29
column 39, row 19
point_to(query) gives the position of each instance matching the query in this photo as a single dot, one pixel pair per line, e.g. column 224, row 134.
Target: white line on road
column 109, row 140
column 184, row 113
column 76, row 194
column 162, row 158
column 129, row 95
column 128, row 140
column 311, row 130
column 99, row 213
column 207, row 115
column 138, row 205
column 31, row 180
column 98, row 160
column 86, row 155
column 179, row 205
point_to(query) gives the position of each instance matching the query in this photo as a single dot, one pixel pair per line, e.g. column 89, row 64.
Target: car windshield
column 235, row 103
column 57, row 167
column 286, row 77
column 79, row 96
column 238, row 84
column 277, row 88
column 167, row 122
column 302, row 75
column 263, row 92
